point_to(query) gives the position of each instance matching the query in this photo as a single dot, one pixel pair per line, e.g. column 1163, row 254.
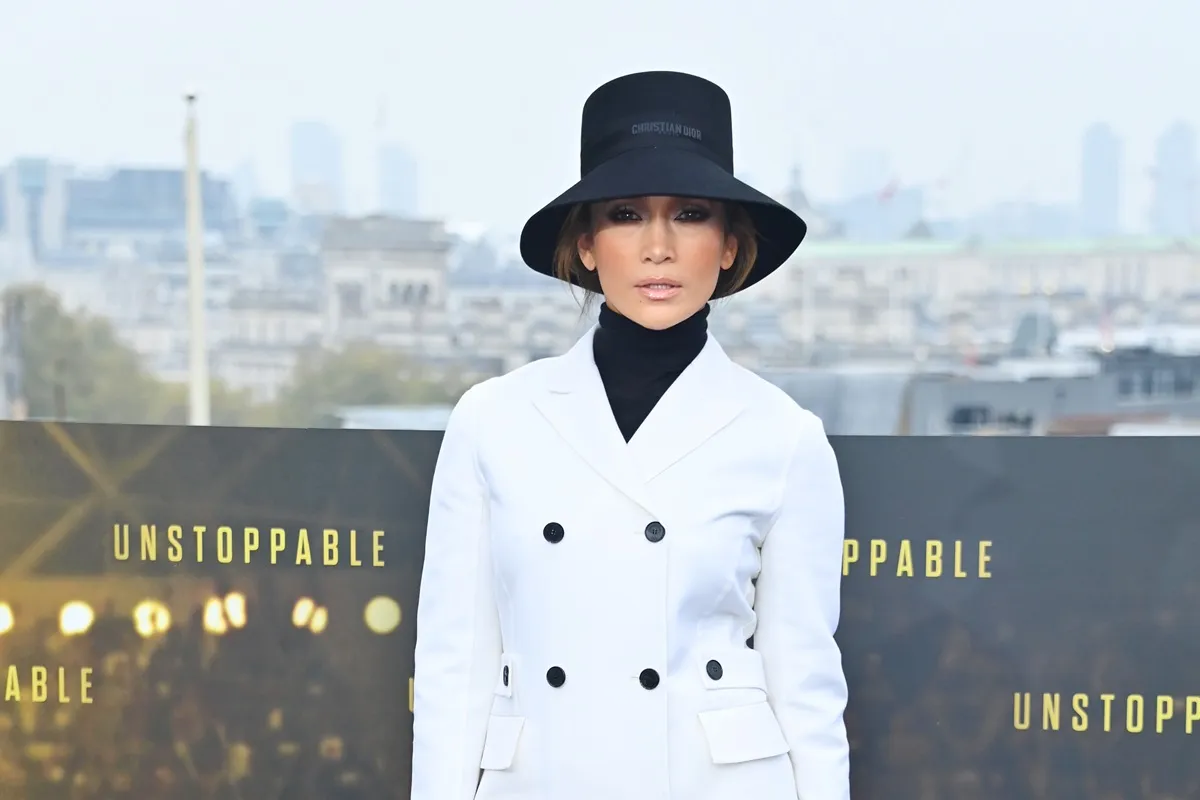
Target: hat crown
column 656, row 109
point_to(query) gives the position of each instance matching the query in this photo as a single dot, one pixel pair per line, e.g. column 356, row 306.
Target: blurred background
column 1003, row 202
column 304, row 214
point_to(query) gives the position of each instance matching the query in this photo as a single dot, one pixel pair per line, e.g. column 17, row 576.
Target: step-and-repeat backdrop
column 227, row 613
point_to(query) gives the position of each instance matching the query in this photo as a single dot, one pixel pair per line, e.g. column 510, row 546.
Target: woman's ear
column 729, row 254
column 587, row 255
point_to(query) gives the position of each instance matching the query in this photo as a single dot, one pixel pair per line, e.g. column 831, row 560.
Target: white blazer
column 585, row 603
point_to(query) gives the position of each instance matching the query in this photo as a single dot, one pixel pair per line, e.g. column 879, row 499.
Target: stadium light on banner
column 320, row 620
column 235, row 609
column 7, row 620
column 151, row 618
column 302, row 612
column 382, row 615
column 76, row 618
column 214, row 616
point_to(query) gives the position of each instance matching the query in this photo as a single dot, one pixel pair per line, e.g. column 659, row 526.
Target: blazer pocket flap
column 504, row 681
column 733, row 669
column 743, row 733
column 500, row 746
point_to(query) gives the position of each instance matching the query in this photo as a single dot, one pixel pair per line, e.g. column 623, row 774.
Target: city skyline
column 872, row 205
column 493, row 121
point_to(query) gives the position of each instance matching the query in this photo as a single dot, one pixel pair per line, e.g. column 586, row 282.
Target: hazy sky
column 991, row 96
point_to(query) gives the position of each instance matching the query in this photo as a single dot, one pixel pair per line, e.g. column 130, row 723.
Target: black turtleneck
column 638, row 365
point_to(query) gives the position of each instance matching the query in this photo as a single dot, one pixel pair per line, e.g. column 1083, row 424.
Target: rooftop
column 833, row 248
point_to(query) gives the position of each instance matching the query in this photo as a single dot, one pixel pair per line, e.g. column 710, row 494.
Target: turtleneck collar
column 630, row 340
column 637, row 365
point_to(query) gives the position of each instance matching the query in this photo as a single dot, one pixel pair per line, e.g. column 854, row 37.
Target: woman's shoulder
column 767, row 399
column 494, row 395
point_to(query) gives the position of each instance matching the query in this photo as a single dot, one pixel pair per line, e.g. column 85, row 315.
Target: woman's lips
column 659, row 291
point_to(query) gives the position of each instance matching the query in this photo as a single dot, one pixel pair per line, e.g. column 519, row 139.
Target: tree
column 74, row 366
column 360, row 375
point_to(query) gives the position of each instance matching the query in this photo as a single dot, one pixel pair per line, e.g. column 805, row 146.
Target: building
column 1100, row 182
column 385, row 281
column 318, row 169
column 49, row 212
column 398, row 182
column 1175, row 205
column 943, row 293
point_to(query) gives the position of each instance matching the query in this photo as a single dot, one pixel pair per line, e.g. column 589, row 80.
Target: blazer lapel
column 704, row 399
column 576, row 406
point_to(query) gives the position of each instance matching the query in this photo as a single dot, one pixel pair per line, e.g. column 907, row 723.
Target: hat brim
column 671, row 172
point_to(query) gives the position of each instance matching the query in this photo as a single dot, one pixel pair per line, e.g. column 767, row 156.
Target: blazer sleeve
column 798, row 604
column 458, row 646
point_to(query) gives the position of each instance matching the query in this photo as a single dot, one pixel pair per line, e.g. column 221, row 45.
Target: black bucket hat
column 662, row 133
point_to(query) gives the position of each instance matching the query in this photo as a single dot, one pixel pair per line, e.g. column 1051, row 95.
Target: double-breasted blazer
column 586, row 603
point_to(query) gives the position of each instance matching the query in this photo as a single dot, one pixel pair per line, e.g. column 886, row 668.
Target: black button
column 556, row 677
column 713, row 668
column 655, row 531
column 648, row 679
column 553, row 532
column 505, row 679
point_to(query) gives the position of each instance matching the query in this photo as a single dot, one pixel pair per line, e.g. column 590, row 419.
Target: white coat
column 585, row 603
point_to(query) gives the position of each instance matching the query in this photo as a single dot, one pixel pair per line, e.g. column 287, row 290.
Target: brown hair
column 568, row 266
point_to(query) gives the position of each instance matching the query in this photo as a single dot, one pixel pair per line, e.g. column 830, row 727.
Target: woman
column 608, row 528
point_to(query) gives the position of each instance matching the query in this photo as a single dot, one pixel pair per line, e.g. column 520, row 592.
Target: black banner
column 230, row 612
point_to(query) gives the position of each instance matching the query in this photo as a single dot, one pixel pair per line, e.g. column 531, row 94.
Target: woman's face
column 658, row 258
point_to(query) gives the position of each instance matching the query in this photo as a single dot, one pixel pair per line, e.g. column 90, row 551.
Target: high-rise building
column 1174, row 210
column 1100, row 182
column 318, row 169
column 398, row 181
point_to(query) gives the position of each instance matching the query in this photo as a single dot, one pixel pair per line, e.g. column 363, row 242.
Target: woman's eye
column 622, row 214
column 695, row 214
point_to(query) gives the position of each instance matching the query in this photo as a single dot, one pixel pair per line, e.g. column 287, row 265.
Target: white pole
column 198, row 388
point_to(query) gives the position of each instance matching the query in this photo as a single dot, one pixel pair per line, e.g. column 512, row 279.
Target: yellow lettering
column 1021, row 713
column 303, row 549
column 1107, row 699
column 199, row 531
column 276, row 544
column 377, row 549
column 1079, row 719
column 937, row 553
column 1191, row 714
column 331, row 548
column 149, row 543
column 331, row 545
column 849, row 555
column 120, row 542
column 1164, row 710
column 933, row 559
column 40, row 684
column 85, row 685
column 411, row 695
column 225, row 545
column 958, row 567
column 175, row 543
column 249, row 542
column 904, row 564
column 878, row 555
column 12, row 686
column 1135, row 713
column 1051, row 716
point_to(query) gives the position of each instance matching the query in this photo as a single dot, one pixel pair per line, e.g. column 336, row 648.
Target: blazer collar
column 705, row 398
